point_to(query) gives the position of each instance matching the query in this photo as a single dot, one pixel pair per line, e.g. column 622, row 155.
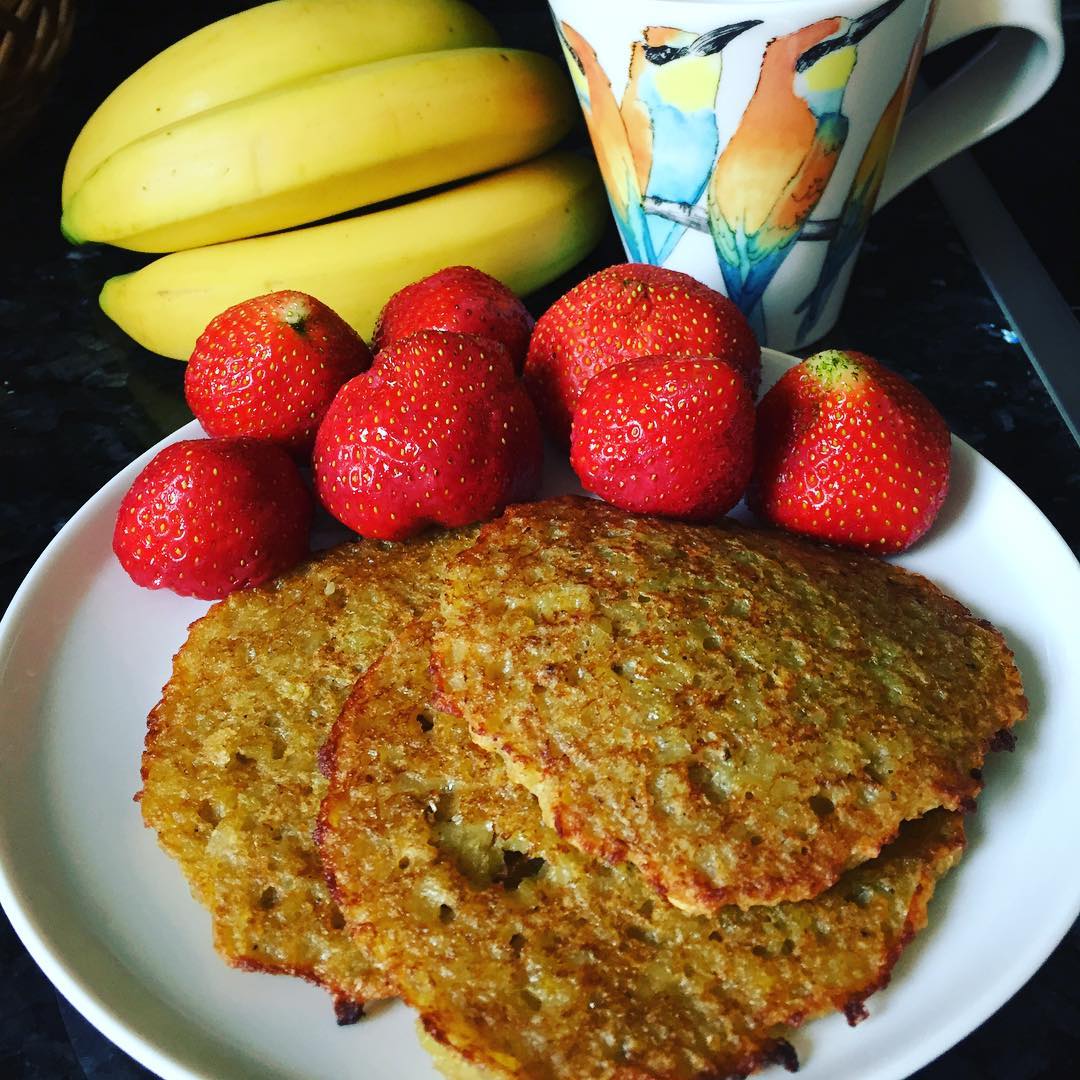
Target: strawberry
column 464, row 300
column 439, row 431
column 270, row 367
column 208, row 516
column 624, row 312
column 664, row 435
column 851, row 453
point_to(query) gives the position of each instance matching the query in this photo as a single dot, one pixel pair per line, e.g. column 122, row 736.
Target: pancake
column 743, row 715
column 230, row 779
column 526, row 958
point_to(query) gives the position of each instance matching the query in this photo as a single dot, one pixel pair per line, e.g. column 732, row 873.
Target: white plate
column 83, row 654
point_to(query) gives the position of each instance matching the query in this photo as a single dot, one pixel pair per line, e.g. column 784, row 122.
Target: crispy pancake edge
column 357, row 562
column 693, row 889
column 369, row 759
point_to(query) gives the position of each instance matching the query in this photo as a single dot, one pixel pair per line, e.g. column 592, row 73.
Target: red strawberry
column 464, row 300
column 439, row 431
column 851, row 453
column 663, row 435
column 208, row 516
column 270, row 367
column 622, row 313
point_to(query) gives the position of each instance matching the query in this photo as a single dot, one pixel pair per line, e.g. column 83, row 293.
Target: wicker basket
column 34, row 35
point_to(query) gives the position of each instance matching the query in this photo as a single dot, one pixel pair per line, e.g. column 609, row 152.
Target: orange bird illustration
column 859, row 205
column 775, row 168
column 610, row 142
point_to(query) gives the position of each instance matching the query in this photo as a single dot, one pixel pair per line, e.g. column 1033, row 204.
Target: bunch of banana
column 298, row 110
column 525, row 226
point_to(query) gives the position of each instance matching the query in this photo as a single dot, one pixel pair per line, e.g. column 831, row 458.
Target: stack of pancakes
column 598, row 795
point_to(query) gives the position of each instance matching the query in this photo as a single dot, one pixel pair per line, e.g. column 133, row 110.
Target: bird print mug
column 747, row 142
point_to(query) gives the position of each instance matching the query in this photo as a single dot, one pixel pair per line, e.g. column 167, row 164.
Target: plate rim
column 83, row 996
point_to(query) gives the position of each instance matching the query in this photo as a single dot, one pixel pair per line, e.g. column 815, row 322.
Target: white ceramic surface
column 83, row 654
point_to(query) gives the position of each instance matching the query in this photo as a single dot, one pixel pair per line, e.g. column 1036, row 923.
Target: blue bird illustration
column 669, row 112
column 610, row 143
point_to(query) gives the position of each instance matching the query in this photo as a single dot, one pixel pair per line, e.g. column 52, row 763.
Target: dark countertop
column 78, row 401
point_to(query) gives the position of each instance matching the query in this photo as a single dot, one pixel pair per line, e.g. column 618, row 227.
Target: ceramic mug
column 747, row 142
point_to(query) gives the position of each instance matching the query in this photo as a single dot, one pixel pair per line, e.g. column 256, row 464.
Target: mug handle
column 1025, row 56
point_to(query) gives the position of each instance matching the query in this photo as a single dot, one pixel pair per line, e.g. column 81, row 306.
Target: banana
column 525, row 226
column 257, row 50
column 322, row 146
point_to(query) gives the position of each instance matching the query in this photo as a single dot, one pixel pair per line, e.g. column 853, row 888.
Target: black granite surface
column 78, row 401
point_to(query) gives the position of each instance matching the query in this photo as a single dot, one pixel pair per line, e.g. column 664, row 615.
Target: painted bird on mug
column 669, row 112
column 610, row 142
column 862, row 198
column 776, row 166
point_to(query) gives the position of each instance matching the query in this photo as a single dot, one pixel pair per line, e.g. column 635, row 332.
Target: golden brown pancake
column 526, row 958
column 743, row 715
column 230, row 778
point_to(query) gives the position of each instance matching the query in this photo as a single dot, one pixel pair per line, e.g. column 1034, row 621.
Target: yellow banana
column 322, row 146
column 524, row 225
column 257, row 50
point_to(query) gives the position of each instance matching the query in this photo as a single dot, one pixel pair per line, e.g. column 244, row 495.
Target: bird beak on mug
column 862, row 26
column 858, row 29
column 572, row 52
column 706, row 44
column 714, row 40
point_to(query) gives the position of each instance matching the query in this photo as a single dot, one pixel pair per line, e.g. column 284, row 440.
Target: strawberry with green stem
column 269, row 367
column 851, row 453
